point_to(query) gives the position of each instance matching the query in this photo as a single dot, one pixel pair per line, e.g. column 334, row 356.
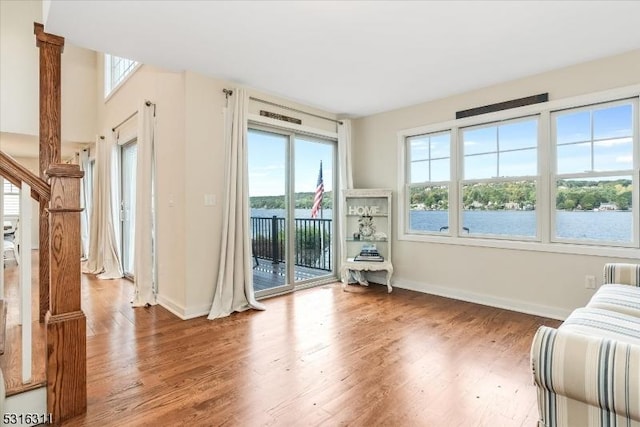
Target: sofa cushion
column 604, row 323
column 623, row 274
column 621, row 298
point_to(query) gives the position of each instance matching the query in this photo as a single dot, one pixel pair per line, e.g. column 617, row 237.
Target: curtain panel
column 144, row 257
column 85, row 197
column 104, row 255
column 233, row 290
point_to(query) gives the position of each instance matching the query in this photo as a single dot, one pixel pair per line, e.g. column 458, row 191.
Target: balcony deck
column 267, row 275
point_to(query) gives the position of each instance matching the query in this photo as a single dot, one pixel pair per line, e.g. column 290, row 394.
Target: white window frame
column 546, row 170
column 464, row 181
column 594, row 173
column 109, row 87
column 408, row 184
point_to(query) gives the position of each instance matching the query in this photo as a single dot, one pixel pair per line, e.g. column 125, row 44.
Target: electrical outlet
column 590, row 282
column 209, row 199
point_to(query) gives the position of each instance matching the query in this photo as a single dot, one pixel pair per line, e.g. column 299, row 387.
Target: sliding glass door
column 291, row 197
column 269, row 154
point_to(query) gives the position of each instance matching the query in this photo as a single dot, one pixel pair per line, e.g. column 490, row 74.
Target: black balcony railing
column 312, row 241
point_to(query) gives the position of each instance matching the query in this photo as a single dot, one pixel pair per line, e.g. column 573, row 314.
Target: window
column 115, row 71
column 500, row 170
column 558, row 176
column 594, row 173
column 11, row 199
column 428, row 159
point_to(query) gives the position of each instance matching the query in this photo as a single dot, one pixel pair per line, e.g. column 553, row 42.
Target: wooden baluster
column 65, row 321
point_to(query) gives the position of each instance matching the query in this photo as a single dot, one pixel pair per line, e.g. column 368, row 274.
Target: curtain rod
column 229, row 92
column 147, row 103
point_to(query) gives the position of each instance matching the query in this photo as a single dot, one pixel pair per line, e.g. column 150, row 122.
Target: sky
column 606, row 132
column 267, row 163
column 599, row 139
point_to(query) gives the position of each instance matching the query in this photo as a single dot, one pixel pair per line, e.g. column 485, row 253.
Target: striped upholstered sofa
column 587, row 371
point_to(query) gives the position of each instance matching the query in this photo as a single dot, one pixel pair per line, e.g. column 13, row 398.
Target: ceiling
column 353, row 58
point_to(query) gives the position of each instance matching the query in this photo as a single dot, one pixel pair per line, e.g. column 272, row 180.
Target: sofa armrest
column 600, row 372
column 623, row 274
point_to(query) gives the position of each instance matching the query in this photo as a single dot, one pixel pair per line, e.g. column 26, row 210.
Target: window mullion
column 497, row 151
column 545, row 192
column 455, row 162
column 592, row 145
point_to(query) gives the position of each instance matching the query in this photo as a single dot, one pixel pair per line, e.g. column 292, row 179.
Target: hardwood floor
column 317, row 357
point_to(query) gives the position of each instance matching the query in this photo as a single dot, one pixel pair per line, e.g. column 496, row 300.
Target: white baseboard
column 184, row 313
column 29, row 402
column 484, row 299
column 193, row 312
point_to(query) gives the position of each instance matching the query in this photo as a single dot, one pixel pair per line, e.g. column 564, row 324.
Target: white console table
column 350, row 264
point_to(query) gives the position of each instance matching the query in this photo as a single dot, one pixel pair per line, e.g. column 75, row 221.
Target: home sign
column 363, row 210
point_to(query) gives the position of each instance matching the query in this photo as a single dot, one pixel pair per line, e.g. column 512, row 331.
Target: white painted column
column 24, row 231
column 2, row 222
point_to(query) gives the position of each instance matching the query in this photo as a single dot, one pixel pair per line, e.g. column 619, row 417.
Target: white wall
column 79, row 99
column 191, row 164
column 538, row 282
column 205, row 174
column 19, row 77
column 204, row 170
column 19, row 67
column 19, row 90
column 166, row 89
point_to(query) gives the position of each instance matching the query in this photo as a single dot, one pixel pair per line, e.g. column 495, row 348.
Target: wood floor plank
column 320, row 357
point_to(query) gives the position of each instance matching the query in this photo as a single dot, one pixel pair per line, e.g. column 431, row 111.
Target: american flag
column 317, row 199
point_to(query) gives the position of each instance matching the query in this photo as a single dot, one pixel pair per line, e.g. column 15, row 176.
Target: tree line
column 570, row 195
column 302, row 201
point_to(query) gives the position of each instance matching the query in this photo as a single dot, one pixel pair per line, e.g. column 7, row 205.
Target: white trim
column 28, row 402
column 315, row 283
column 278, row 124
column 484, row 299
column 522, row 245
column 544, row 183
column 171, row 306
column 25, row 281
column 184, row 313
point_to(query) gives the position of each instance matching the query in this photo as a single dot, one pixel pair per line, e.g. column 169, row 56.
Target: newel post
column 50, row 47
column 65, row 321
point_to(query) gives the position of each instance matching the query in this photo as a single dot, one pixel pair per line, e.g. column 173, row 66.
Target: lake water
column 614, row 226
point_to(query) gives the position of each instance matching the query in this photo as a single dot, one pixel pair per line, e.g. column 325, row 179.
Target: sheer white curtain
column 144, row 238
column 85, row 196
column 234, row 287
column 346, row 183
column 104, row 255
column 344, row 161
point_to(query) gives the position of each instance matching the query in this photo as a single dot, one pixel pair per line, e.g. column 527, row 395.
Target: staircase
column 3, row 320
column 60, row 318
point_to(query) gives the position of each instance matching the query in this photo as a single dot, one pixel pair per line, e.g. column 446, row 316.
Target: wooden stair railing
column 58, row 191
column 15, row 173
column 60, row 246
column 65, row 321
